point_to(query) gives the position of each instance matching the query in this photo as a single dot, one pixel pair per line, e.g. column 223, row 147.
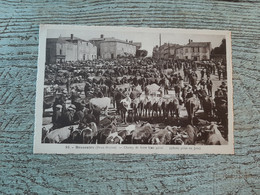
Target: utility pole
column 160, row 40
column 160, row 44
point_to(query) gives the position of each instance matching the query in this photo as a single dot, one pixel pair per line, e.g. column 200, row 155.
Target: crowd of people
column 71, row 85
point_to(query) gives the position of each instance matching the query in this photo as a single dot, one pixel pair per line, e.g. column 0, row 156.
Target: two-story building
column 194, row 51
column 111, row 48
column 64, row 49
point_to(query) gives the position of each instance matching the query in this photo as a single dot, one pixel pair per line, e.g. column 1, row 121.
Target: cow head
column 179, row 138
column 87, row 135
column 75, row 135
column 114, row 138
column 206, row 130
column 174, row 129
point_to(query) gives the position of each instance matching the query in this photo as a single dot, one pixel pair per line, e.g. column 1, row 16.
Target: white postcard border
column 127, row 149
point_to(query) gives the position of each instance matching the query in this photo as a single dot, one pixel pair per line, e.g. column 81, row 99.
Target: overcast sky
column 148, row 38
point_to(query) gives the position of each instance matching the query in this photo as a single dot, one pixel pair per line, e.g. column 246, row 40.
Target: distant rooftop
column 198, row 44
column 102, row 38
column 61, row 39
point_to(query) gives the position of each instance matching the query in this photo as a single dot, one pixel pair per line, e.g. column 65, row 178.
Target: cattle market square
column 108, row 91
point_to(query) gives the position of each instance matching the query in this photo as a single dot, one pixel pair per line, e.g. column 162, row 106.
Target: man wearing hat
column 57, row 117
column 223, row 85
column 202, row 83
column 219, row 93
column 79, row 114
column 209, row 86
column 68, row 116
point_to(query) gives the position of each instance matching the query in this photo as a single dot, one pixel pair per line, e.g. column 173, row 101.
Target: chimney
column 102, row 36
column 126, row 40
column 189, row 41
column 71, row 36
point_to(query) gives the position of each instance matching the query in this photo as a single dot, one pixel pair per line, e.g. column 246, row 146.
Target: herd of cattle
column 142, row 133
column 146, row 99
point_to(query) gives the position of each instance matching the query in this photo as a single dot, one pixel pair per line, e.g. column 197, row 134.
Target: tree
column 221, row 49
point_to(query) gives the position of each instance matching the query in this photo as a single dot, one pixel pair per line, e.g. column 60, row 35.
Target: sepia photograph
column 104, row 89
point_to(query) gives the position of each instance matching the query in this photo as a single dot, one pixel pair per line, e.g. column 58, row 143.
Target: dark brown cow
column 172, row 108
column 141, row 135
column 89, row 133
column 106, row 131
column 162, row 136
column 192, row 132
column 117, row 137
column 186, row 136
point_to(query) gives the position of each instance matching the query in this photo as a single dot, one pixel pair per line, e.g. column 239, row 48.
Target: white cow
column 214, row 136
column 102, row 103
column 59, row 135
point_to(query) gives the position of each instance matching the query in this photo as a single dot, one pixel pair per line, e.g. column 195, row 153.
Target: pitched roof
column 74, row 39
column 198, row 44
column 112, row 39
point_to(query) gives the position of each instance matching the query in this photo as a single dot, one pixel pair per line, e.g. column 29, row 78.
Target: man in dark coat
column 87, row 88
column 202, row 83
column 209, row 86
column 68, row 116
column 118, row 97
column 57, row 117
column 202, row 73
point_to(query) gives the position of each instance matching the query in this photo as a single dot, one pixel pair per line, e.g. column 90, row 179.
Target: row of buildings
column 62, row 49
column 193, row 51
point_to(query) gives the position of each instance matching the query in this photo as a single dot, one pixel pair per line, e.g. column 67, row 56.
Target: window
column 60, row 51
column 193, row 49
column 186, row 50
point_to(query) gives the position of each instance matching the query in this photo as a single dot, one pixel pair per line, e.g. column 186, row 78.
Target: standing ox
column 173, row 107
column 147, row 106
column 157, row 107
column 192, row 106
column 125, row 108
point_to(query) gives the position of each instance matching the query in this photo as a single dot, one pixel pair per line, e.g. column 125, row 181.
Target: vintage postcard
column 107, row 89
